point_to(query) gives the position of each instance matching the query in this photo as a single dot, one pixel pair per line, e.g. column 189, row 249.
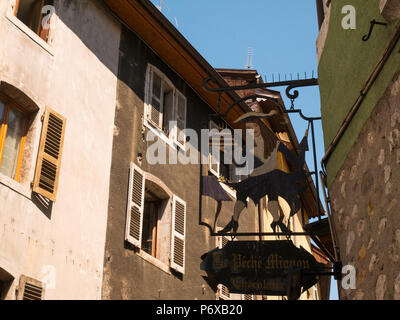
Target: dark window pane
column 12, row 143
column 1, row 112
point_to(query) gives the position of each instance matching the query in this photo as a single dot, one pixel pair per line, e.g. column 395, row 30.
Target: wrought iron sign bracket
column 289, row 84
column 366, row 37
column 292, row 95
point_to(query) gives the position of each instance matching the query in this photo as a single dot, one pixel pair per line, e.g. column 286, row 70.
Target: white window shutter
column 134, row 215
column 247, row 297
column 180, row 117
column 223, row 292
column 178, row 234
column 214, row 165
column 222, row 241
column 156, row 97
column 147, row 93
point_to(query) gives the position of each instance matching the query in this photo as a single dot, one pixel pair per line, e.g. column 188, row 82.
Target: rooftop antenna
column 250, row 59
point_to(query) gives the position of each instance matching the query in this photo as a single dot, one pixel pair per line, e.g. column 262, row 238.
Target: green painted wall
column 345, row 65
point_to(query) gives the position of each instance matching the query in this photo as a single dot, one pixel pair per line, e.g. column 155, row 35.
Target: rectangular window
column 165, row 106
column 155, row 220
column 36, row 14
column 223, row 170
column 152, row 206
column 13, row 123
column 219, row 167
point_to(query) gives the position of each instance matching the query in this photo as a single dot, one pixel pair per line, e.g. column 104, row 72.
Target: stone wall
column 366, row 204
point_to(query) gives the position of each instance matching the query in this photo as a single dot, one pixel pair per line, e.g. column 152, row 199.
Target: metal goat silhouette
column 267, row 179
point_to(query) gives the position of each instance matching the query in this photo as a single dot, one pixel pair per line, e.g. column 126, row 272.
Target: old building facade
column 57, row 106
column 87, row 90
column 361, row 132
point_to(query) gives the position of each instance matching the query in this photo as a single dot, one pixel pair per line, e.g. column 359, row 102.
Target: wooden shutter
column 223, row 292
column 247, row 297
column 178, row 234
column 134, row 214
column 222, row 241
column 213, row 167
column 30, row 289
column 154, row 112
column 50, row 154
column 180, row 116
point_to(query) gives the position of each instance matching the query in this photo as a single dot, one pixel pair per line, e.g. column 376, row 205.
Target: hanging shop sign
column 275, row 268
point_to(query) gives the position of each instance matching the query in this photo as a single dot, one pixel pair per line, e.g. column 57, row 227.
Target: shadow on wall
column 84, row 19
column 43, row 204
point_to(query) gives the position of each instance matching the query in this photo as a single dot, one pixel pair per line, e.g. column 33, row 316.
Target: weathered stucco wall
column 366, row 205
column 126, row 274
column 344, row 67
column 75, row 74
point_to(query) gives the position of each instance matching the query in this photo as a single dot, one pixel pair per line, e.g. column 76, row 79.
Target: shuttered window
column 13, row 129
column 49, row 156
column 134, row 215
column 156, row 101
column 222, row 241
column 30, row 289
column 165, row 105
column 223, row 292
column 36, row 15
column 180, row 116
column 178, row 234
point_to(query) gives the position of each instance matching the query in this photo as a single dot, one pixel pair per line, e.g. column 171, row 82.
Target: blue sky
column 282, row 35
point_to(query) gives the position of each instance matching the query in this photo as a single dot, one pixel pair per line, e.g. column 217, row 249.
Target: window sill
column 15, row 186
column 231, row 192
column 20, row 25
column 161, row 134
column 154, row 261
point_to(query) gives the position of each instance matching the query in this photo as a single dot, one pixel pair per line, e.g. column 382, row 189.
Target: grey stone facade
column 127, row 273
column 366, row 205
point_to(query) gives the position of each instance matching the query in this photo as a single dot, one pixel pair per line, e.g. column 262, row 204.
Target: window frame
column 168, row 207
column 178, row 94
column 214, row 165
column 172, row 137
column 154, row 222
column 9, row 103
column 37, row 29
